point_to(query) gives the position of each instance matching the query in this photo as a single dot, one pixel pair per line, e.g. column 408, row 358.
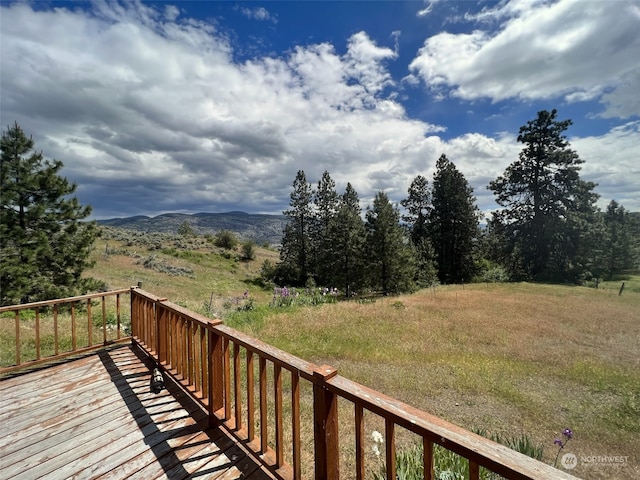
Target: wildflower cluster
column 567, row 434
column 283, row 297
column 286, row 297
column 377, row 439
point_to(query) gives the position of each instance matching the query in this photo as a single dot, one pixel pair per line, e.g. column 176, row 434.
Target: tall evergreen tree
column 539, row 192
column 417, row 206
column 453, row 223
column 346, row 240
column 577, row 250
column 295, row 254
column 391, row 264
column 325, row 200
column 44, row 245
column 621, row 246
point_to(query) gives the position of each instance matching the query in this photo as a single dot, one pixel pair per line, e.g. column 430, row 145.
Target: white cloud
column 428, row 9
column 150, row 113
column 258, row 13
column 611, row 160
column 138, row 106
column 540, row 50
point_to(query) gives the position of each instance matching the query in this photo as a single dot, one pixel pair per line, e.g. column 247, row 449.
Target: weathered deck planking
column 97, row 417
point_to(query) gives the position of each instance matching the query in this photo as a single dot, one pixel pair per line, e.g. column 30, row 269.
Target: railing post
column 216, row 375
column 325, row 425
column 134, row 312
column 161, row 334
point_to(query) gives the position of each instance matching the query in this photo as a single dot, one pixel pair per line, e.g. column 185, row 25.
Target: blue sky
column 214, row 106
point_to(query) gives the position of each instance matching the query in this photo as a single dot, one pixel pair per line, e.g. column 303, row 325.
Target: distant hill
column 248, row 226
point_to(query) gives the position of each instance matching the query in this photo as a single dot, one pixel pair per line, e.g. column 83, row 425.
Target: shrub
column 153, row 263
column 489, row 272
column 226, row 239
column 248, row 251
column 186, row 230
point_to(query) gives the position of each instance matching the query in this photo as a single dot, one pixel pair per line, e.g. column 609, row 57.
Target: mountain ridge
column 259, row 227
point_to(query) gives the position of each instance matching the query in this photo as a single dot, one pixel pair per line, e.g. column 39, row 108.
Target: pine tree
column 391, row 265
column 418, row 205
column 346, row 239
column 295, row 254
column 453, row 223
column 622, row 241
column 44, row 246
column 325, row 200
column 539, row 192
column 577, row 251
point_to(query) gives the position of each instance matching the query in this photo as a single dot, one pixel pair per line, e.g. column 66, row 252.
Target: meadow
column 509, row 359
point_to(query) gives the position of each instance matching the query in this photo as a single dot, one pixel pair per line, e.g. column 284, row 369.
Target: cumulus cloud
column 154, row 114
column 531, row 49
column 150, row 113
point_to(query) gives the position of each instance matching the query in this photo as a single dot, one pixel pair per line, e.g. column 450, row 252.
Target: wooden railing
column 206, row 358
column 53, row 329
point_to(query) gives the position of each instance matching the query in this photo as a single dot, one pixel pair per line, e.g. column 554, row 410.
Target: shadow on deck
column 97, row 417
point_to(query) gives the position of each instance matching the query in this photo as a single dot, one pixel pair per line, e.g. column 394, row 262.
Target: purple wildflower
column 568, row 434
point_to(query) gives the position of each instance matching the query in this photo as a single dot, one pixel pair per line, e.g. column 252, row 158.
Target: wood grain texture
column 97, row 417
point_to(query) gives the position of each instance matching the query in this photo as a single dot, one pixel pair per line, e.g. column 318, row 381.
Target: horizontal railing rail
column 217, row 366
column 54, row 329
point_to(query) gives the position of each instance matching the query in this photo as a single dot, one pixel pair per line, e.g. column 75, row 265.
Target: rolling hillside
column 257, row 227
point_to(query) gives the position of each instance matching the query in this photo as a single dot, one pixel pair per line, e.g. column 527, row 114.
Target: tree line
column 548, row 226
column 328, row 242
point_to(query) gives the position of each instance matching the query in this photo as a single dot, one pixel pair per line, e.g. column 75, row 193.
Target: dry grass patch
column 509, row 358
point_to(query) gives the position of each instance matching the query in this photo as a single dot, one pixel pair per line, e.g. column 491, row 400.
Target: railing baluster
column 474, row 470
column 277, row 390
column 216, row 372
column 197, row 355
column 390, row 448
column 55, row 329
column 359, row 421
column 262, row 364
column 104, row 321
column 203, row 361
column 427, row 458
column 173, row 347
column 188, row 336
column 118, row 316
column 161, row 335
column 250, row 398
column 74, row 343
column 295, row 424
column 227, row 379
column 179, row 345
column 37, row 333
column 237, row 394
column 89, row 324
column 17, row 321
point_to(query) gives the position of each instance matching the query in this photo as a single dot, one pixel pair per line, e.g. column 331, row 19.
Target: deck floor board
column 97, row 418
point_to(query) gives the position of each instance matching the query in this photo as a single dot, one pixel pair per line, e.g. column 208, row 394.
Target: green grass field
column 503, row 358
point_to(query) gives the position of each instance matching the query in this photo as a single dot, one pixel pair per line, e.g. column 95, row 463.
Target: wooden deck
column 97, row 417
